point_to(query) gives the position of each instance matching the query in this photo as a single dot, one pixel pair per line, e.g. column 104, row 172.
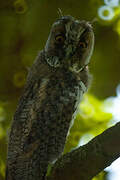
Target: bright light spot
column 85, row 139
column 114, row 108
column 114, row 170
column 106, row 13
column 118, row 89
column 112, row 3
column 112, row 105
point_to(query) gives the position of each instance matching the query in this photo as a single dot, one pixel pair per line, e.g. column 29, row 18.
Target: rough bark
column 87, row 161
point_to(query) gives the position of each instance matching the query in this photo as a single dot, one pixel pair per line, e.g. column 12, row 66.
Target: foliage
column 24, row 28
column 101, row 176
column 91, row 120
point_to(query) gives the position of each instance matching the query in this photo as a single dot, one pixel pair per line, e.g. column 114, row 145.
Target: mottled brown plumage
column 53, row 90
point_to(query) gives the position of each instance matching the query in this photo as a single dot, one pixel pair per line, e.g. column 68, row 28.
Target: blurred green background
column 24, row 28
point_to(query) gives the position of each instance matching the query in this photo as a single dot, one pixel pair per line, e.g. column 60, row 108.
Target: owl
column 53, row 90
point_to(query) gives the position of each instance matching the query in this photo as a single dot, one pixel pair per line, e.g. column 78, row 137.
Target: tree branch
column 88, row 160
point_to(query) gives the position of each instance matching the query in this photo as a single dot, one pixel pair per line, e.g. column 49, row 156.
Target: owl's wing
column 24, row 115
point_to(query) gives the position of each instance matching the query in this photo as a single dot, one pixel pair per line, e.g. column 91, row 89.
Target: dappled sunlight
column 112, row 3
column 106, row 13
column 92, row 110
column 109, row 12
column 91, row 120
column 112, row 105
column 85, row 139
column 114, row 170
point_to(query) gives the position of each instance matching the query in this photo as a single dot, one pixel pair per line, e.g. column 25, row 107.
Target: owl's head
column 69, row 44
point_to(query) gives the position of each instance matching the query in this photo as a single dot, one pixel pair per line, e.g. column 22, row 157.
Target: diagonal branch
column 88, row 160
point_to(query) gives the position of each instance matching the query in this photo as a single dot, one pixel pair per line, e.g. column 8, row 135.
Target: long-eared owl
column 54, row 87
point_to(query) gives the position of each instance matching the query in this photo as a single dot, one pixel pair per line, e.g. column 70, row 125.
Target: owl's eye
column 82, row 44
column 59, row 39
